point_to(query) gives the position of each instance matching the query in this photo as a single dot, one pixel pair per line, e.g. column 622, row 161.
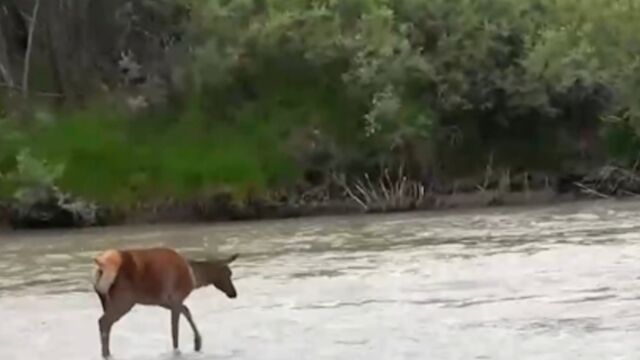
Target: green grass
column 113, row 159
column 117, row 159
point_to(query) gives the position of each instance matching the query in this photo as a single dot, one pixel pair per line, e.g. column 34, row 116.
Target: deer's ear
column 232, row 258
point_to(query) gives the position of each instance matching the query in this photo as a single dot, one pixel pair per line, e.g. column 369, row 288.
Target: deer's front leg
column 197, row 339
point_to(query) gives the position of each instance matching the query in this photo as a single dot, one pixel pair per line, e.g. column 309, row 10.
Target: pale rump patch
column 107, row 266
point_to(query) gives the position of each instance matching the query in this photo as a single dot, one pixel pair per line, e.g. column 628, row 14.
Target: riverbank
column 48, row 207
column 218, row 210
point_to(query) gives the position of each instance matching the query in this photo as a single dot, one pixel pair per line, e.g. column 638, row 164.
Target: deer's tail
column 104, row 274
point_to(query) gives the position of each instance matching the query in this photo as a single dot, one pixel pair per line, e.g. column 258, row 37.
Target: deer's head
column 218, row 273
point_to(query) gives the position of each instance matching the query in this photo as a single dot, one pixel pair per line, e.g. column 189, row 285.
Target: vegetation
column 137, row 101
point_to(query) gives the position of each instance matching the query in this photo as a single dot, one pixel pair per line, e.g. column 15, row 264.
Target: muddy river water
column 560, row 282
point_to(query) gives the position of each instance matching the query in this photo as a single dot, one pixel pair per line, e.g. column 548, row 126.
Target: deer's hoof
column 198, row 344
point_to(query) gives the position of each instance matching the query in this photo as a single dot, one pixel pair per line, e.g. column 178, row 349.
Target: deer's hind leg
column 103, row 301
column 175, row 326
column 114, row 309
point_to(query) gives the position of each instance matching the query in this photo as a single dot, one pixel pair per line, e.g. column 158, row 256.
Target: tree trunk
column 5, row 65
column 27, row 56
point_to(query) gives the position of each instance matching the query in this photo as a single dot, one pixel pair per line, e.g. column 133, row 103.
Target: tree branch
column 39, row 93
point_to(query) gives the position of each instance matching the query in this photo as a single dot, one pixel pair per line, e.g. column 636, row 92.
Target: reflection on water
column 538, row 283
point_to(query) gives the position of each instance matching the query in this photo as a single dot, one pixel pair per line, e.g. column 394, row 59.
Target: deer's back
column 155, row 276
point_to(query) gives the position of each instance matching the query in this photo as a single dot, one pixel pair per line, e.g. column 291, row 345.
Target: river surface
column 559, row 282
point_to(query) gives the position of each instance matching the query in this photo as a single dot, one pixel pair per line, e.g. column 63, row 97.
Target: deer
column 154, row 277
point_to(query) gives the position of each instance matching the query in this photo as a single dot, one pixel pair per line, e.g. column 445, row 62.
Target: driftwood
column 590, row 191
column 611, row 180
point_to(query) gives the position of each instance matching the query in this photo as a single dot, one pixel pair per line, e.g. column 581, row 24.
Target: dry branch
column 38, row 93
column 385, row 193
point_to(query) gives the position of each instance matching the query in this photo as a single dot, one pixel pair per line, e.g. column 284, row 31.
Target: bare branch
column 341, row 181
column 400, row 193
column 39, row 93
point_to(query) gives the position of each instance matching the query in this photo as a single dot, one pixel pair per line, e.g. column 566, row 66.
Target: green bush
column 441, row 86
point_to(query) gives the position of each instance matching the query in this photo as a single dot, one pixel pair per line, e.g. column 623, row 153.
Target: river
column 559, row 282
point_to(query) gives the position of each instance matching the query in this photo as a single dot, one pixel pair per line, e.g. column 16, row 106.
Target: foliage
column 256, row 94
column 31, row 174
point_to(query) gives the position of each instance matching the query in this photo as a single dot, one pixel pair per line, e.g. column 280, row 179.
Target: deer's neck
column 198, row 271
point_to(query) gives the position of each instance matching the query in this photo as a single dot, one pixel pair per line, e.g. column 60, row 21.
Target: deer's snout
column 232, row 294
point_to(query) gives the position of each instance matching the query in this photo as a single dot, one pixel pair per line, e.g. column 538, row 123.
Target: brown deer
column 155, row 276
